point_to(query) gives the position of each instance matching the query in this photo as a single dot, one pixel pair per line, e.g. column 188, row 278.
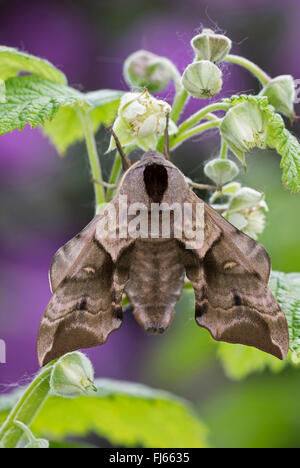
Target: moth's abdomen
column 155, row 282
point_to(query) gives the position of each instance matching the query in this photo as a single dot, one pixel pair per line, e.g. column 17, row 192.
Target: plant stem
column 114, row 174
column 180, row 138
column 223, row 150
column 26, row 409
column 210, row 116
column 202, row 113
column 202, row 186
column 93, row 158
column 260, row 74
column 179, row 102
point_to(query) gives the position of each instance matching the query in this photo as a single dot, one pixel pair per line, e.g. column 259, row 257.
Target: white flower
column 246, row 211
column 245, row 208
column 141, row 120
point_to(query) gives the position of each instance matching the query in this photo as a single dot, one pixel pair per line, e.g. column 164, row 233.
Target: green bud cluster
column 203, row 79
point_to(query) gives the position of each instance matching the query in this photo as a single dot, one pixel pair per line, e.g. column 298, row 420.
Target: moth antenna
column 167, row 141
column 126, row 163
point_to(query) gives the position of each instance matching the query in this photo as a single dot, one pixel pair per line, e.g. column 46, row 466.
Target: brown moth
column 229, row 274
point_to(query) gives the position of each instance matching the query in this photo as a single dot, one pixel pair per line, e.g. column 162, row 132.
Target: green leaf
column 239, row 361
column 286, row 288
column 66, row 128
column 12, row 62
column 274, row 134
column 288, row 147
column 2, row 91
column 33, row 100
column 259, row 413
column 125, row 413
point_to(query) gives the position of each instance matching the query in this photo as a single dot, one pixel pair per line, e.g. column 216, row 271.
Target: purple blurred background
column 45, row 200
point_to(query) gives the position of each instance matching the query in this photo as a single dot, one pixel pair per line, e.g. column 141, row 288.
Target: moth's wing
column 69, row 253
column 87, row 302
column 230, row 278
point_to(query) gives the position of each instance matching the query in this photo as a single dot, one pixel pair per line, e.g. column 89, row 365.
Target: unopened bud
column 247, row 211
column 245, row 198
column 221, row 171
column 202, row 79
column 251, row 222
column 72, row 375
column 211, row 46
column 280, row 92
column 244, row 127
column 228, row 190
column 143, row 69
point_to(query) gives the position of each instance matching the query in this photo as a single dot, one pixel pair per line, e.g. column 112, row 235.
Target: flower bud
column 221, row 171
column 246, row 211
column 72, row 375
column 211, row 46
column 143, row 69
column 244, row 127
column 245, row 198
column 228, row 190
column 280, row 92
column 237, row 220
column 202, row 79
column 141, row 120
column 251, row 222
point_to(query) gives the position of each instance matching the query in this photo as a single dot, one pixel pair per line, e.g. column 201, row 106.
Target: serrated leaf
column 66, row 128
column 33, row 100
column 286, row 288
column 125, row 413
column 288, row 147
column 13, row 61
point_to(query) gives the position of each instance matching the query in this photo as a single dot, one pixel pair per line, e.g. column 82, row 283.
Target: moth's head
column 152, row 156
column 153, row 178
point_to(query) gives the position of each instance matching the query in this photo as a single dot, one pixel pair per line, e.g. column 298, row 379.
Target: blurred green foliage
column 127, row 414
